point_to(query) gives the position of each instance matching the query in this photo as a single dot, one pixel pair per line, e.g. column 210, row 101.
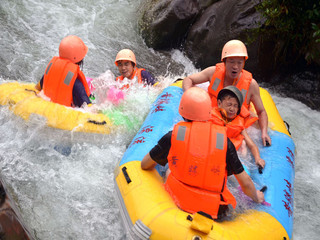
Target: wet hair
column 224, row 94
column 186, row 120
column 81, row 64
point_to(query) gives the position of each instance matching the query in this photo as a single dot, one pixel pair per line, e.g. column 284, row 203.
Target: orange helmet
column 195, row 104
column 72, row 48
column 234, row 48
column 125, row 54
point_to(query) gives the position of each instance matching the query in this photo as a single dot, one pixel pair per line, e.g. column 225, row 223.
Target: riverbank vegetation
column 294, row 26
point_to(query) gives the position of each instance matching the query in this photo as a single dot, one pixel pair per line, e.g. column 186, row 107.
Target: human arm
column 39, row 84
column 255, row 98
column 147, row 78
column 248, row 187
column 234, row 166
column 79, row 94
column 158, row 154
column 147, row 162
column 254, row 149
column 197, row 78
column 38, row 87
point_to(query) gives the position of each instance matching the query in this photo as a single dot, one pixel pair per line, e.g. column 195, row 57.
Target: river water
column 63, row 196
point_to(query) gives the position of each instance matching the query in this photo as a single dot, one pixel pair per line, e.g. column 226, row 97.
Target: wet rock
column 304, row 85
column 164, row 23
column 199, row 27
column 222, row 21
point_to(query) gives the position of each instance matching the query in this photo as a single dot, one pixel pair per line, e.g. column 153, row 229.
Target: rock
column 304, row 85
column 219, row 23
column 164, row 23
column 200, row 28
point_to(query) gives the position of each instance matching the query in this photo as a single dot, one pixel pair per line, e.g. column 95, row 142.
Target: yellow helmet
column 125, row 54
column 72, row 48
column 195, row 104
column 234, row 48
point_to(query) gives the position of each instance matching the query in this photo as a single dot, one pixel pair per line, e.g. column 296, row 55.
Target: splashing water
column 62, row 182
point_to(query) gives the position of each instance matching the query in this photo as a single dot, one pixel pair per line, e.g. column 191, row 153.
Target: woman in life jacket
column 63, row 81
column 126, row 63
column 200, row 157
column 227, row 113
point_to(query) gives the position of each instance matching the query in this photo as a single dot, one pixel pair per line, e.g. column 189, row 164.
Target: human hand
column 260, row 197
column 266, row 140
column 260, row 162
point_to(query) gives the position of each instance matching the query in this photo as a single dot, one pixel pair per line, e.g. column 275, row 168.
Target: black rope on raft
column 288, row 127
column 97, row 123
column 30, row 90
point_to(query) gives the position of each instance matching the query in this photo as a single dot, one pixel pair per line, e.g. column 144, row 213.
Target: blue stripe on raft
column 278, row 176
column 161, row 119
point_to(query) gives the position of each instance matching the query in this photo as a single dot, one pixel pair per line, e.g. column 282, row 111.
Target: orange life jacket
column 197, row 160
column 234, row 127
column 216, row 84
column 136, row 73
column 59, row 79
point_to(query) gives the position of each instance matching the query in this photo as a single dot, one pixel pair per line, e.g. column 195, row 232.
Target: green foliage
column 294, row 25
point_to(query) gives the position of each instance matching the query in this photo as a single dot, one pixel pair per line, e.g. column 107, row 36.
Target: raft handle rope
column 179, row 79
column 288, row 127
column 126, row 175
column 263, row 189
column 96, row 122
column 30, row 90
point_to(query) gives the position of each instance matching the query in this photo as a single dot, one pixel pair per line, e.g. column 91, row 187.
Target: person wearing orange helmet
column 127, row 65
column 63, row 81
column 200, row 158
column 231, row 72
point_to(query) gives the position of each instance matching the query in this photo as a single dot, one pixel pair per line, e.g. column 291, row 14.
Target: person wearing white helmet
column 63, row 81
column 189, row 149
column 231, row 72
column 127, row 65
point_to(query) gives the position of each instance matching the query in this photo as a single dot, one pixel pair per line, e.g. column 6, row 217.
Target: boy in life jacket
column 231, row 72
column 200, row 158
column 126, row 63
column 63, row 81
column 226, row 113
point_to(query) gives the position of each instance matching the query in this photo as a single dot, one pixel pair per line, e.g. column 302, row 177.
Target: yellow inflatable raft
column 148, row 212
column 22, row 99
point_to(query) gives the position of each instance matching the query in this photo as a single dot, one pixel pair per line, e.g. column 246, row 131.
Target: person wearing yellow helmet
column 192, row 146
column 127, row 65
column 231, row 72
column 63, row 81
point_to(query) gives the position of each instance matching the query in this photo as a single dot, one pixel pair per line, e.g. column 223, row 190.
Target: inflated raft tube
column 148, row 212
column 22, row 99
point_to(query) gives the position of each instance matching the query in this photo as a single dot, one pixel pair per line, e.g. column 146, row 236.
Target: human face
column 234, row 66
column 230, row 105
column 125, row 68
